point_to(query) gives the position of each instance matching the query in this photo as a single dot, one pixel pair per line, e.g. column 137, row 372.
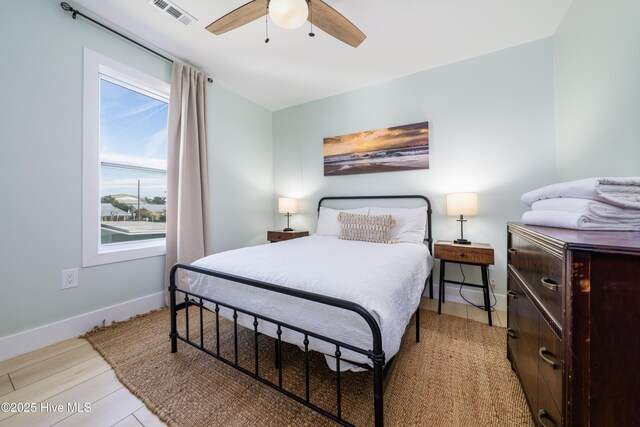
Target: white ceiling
column 403, row 37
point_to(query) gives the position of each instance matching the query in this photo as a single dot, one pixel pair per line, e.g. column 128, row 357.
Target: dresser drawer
column 462, row 253
column 513, row 296
column 550, row 360
column 548, row 413
column 542, row 271
column 522, row 358
column 514, row 335
column 528, row 322
column 531, row 338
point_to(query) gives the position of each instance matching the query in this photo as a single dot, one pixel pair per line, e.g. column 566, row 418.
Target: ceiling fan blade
column 335, row 24
column 237, row 18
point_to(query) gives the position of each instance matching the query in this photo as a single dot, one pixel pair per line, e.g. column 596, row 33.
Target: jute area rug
column 458, row 375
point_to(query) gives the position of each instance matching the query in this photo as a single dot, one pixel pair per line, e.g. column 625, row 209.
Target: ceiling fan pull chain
column 311, row 33
column 266, row 24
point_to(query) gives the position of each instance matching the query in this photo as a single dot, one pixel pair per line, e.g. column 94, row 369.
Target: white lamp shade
column 286, row 205
column 288, row 14
column 462, row 204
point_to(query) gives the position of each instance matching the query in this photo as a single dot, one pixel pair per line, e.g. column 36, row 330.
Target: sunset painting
column 384, row 150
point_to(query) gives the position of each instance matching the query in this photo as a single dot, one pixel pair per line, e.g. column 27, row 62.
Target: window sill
column 119, row 252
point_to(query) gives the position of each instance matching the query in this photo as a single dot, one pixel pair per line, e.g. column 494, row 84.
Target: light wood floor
column 68, row 373
column 72, row 372
column 498, row 318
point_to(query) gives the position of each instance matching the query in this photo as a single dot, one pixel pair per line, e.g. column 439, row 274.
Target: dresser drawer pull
column 549, row 284
column 461, row 254
column 512, row 294
column 511, row 333
column 542, row 415
column 512, row 251
column 541, row 352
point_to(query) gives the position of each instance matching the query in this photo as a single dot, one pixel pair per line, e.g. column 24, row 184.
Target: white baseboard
column 33, row 339
column 474, row 295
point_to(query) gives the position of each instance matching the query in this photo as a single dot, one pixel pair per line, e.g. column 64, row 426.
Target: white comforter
column 386, row 279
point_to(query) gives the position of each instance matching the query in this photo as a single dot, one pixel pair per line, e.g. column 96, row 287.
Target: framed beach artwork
column 397, row 148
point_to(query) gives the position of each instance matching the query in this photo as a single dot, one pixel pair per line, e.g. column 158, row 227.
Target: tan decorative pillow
column 366, row 228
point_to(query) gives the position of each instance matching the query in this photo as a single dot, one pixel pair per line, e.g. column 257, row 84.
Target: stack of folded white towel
column 586, row 204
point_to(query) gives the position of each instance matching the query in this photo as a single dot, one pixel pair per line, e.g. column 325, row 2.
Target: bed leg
column 276, row 354
column 418, row 325
column 172, row 303
column 378, row 390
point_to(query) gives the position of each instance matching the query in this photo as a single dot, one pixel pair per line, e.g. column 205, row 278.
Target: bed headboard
column 428, row 238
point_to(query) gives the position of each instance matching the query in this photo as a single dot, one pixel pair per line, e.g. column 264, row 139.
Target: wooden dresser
column 574, row 324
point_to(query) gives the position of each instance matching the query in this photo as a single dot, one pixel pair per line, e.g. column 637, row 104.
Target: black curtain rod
column 74, row 13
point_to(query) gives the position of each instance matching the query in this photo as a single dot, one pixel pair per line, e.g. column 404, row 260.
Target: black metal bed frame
column 375, row 354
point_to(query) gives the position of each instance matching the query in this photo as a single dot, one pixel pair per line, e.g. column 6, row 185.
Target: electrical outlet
column 69, row 278
column 492, row 282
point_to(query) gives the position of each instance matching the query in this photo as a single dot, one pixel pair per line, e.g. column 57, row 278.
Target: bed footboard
column 194, row 301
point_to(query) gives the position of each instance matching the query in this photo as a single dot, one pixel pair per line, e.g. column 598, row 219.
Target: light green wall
column 492, row 131
column 241, row 171
column 41, row 169
column 597, row 79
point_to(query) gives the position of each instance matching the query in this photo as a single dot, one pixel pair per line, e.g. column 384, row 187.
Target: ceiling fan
column 292, row 14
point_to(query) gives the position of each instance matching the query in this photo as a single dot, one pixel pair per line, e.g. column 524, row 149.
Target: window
column 124, row 162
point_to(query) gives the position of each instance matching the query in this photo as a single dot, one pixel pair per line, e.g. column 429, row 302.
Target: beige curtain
column 187, row 178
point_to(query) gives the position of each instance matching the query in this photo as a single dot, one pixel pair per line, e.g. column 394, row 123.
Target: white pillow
column 328, row 224
column 411, row 224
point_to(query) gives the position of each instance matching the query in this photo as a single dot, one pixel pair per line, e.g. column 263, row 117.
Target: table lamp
column 288, row 207
column 462, row 204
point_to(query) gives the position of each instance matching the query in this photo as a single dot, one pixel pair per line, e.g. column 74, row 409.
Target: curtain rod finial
column 67, row 8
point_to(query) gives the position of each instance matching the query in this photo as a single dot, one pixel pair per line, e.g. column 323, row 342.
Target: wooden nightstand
column 279, row 235
column 479, row 254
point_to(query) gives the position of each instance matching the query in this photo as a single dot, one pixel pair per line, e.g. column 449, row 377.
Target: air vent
column 161, row 4
column 174, row 11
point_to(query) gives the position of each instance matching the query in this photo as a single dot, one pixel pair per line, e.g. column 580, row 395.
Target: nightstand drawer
column 273, row 236
column 278, row 236
column 464, row 253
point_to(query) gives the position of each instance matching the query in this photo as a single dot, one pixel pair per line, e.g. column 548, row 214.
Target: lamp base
column 462, row 242
column 288, row 229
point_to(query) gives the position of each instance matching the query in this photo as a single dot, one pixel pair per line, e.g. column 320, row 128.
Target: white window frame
column 93, row 252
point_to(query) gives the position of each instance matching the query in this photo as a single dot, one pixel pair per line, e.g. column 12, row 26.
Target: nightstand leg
column 441, row 287
column 431, row 285
column 418, row 324
column 442, row 266
column 485, row 291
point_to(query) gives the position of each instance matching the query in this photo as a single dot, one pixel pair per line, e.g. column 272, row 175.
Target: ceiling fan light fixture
column 289, row 14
